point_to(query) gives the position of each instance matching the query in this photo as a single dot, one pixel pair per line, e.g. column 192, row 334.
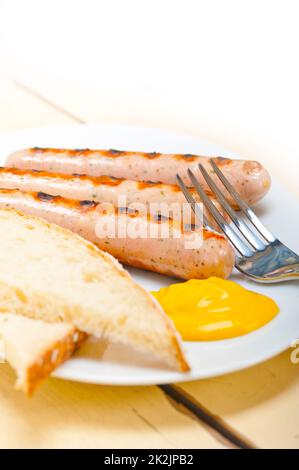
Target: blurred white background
column 225, row 70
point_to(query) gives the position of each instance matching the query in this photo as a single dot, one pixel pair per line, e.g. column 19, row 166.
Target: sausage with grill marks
column 170, row 251
column 249, row 178
column 145, row 196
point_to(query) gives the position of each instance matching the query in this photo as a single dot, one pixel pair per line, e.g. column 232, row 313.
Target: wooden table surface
column 257, row 407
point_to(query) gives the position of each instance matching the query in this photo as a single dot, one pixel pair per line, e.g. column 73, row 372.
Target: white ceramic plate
column 114, row 364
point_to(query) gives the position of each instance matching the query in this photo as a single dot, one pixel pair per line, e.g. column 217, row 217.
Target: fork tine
column 233, row 237
column 268, row 236
column 254, row 241
column 193, row 203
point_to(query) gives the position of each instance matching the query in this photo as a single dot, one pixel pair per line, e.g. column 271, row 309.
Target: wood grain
column 73, row 415
column 19, row 110
column 260, row 403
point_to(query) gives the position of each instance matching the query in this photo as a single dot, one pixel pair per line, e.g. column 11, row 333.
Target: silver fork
column 260, row 256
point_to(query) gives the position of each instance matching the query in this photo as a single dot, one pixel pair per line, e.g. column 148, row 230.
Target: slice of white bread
column 51, row 274
column 34, row 348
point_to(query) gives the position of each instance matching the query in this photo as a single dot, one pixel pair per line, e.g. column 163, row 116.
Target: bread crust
column 50, row 359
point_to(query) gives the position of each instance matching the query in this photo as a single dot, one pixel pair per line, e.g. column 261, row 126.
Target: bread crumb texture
column 51, row 274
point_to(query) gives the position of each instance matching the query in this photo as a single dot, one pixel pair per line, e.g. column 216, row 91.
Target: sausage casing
column 249, row 178
column 146, row 197
column 189, row 253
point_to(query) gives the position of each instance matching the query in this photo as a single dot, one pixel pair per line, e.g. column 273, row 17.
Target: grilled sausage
column 249, row 178
column 150, row 197
column 157, row 244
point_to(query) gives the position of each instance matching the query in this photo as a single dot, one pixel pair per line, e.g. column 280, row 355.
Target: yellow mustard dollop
column 214, row 308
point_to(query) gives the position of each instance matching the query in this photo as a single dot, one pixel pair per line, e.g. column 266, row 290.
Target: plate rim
column 170, row 377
